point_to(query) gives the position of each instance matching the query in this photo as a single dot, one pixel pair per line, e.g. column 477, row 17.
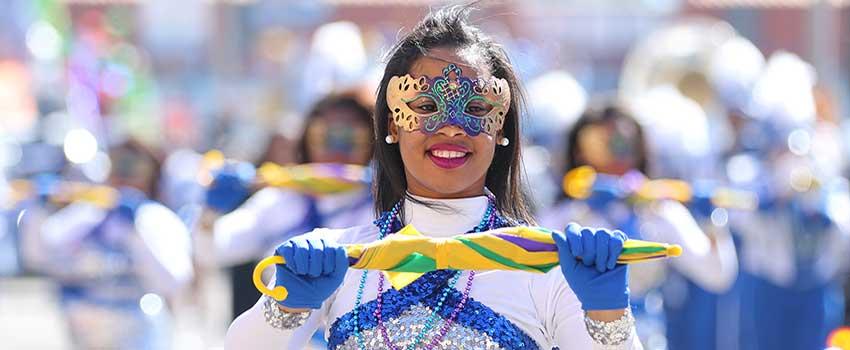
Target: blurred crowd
column 147, row 150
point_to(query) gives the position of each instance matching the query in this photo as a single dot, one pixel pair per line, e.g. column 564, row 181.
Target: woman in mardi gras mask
column 447, row 114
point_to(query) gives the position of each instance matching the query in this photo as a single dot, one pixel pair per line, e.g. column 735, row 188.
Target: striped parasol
column 407, row 255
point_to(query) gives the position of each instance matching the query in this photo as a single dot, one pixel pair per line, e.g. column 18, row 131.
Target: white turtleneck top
column 540, row 305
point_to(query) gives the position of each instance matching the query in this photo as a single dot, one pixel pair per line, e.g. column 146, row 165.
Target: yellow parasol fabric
column 316, row 178
column 579, row 183
column 312, row 178
column 66, row 192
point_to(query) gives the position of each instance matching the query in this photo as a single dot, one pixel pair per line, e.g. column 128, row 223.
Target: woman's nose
column 451, row 131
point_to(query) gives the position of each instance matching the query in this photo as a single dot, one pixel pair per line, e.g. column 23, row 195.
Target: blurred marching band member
column 612, row 142
column 700, row 318
column 116, row 265
column 791, row 290
column 830, row 152
column 338, row 129
column 678, row 133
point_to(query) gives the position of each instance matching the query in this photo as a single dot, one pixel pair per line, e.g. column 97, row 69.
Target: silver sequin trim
column 611, row 333
column 403, row 329
column 279, row 319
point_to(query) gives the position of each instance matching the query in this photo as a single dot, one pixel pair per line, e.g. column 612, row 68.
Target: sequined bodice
column 405, row 313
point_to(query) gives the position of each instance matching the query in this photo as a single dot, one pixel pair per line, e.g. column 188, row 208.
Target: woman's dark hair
column 329, row 104
column 449, row 28
column 609, row 113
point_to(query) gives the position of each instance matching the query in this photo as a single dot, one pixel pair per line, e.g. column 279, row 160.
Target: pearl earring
column 504, row 141
column 390, row 139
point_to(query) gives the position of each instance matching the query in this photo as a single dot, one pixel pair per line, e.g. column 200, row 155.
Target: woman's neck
column 444, row 217
column 428, row 194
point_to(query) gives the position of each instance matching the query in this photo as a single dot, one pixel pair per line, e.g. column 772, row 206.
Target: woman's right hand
column 314, row 269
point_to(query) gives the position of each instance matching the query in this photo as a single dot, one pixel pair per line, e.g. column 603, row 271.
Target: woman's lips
column 448, row 156
column 448, row 163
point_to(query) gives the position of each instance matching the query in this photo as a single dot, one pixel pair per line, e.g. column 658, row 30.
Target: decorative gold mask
column 451, row 92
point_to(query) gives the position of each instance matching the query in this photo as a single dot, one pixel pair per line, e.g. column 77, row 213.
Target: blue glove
column 598, row 281
column 230, row 187
column 129, row 201
column 314, row 270
column 605, row 191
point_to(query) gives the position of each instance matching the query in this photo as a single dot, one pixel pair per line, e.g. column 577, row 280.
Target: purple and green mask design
column 452, row 94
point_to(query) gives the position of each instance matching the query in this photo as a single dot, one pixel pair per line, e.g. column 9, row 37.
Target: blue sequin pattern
column 426, row 291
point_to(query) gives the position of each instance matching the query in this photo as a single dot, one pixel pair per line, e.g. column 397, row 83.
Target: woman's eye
column 428, row 108
column 423, row 105
column 477, row 109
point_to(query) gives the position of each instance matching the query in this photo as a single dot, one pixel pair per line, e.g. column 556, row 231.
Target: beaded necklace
column 384, row 224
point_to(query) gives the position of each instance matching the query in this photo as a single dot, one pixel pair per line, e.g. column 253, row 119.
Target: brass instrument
column 678, row 55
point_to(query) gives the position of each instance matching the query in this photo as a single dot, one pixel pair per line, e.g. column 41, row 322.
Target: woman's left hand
column 597, row 280
column 231, row 186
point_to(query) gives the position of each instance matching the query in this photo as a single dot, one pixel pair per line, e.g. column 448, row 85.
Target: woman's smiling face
column 448, row 163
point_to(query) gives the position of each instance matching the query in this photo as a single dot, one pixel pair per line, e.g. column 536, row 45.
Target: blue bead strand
column 357, row 335
column 383, row 231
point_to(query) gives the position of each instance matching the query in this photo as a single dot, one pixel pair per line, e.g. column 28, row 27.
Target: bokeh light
column 80, row 146
column 799, row 142
column 44, row 41
column 151, row 304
